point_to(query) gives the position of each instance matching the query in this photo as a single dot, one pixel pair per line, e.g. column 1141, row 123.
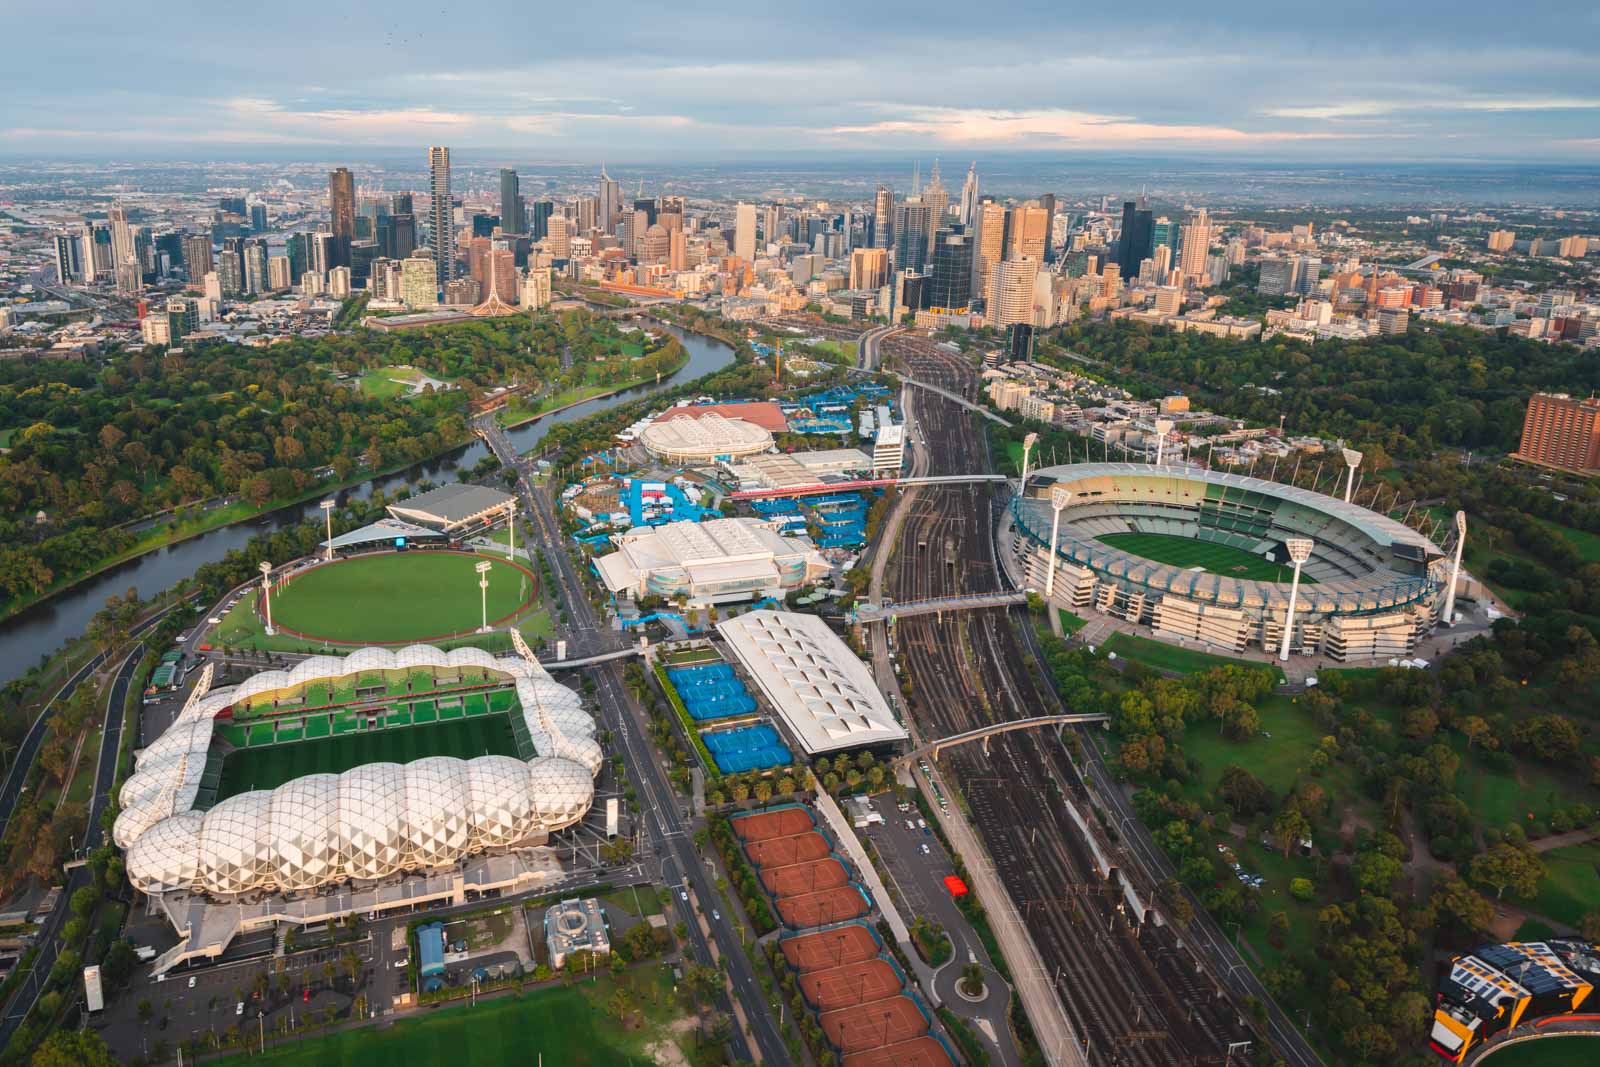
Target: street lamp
column 327, row 511
column 1163, row 427
column 1299, row 551
column 1352, row 459
column 1059, row 498
column 266, row 593
column 1455, row 569
column 1027, row 448
column 482, row 567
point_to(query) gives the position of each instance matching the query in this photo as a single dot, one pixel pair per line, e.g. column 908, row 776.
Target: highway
column 664, row 813
column 1129, row 989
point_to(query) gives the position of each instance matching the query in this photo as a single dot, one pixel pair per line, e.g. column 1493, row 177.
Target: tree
column 1505, row 866
column 1289, row 828
column 73, row 1048
column 1477, row 731
column 972, row 979
column 1455, row 900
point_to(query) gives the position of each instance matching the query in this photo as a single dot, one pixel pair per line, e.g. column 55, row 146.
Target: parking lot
column 914, row 865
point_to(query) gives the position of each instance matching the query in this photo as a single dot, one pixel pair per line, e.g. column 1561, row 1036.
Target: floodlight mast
column 327, row 511
column 482, row 567
column 266, row 593
column 1299, row 551
column 1449, row 617
column 1163, row 427
column 1352, row 459
column 1027, row 448
column 1059, row 498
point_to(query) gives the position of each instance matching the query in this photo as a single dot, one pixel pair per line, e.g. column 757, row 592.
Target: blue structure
column 748, row 748
column 710, row 691
column 430, row 950
column 658, row 503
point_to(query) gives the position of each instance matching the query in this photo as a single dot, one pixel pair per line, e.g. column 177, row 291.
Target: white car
column 683, row 895
column 191, row 981
column 238, row 1009
column 922, row 824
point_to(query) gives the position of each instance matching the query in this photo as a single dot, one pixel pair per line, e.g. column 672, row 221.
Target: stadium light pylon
column 1299, row 551
column 266, row 593
column 482, row 567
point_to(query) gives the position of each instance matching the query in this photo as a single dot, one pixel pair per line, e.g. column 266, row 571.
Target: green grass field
column 1162, row 656
column 1211, row 558
column 565, row 1025
column 402, row 596
column 1571, row 888
column 1575, row 1051
column 270, row 767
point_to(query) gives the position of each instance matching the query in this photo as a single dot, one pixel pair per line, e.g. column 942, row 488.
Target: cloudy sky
column 629, row 81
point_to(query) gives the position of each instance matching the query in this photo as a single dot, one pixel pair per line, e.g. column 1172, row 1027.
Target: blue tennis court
column 711, row 691
column 749, row 748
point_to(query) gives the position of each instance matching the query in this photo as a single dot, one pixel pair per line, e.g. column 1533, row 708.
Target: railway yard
column 1131, row 990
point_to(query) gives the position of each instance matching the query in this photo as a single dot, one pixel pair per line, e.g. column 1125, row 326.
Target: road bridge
column 820, row 488
column 956, row 398
column 983, row 733
column 937, row 606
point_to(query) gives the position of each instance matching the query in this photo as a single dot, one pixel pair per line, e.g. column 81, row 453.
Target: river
column 42, row 629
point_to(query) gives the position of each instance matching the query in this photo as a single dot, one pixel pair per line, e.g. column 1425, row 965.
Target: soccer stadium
column 353, row 770
column 1204, row 555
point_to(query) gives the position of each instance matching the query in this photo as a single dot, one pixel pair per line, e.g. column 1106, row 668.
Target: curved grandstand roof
column 1369, row 562
column 683, row 434
column 369, row 822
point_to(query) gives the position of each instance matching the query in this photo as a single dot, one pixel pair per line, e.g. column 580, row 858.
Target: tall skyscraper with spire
column 342, row 211
column 936, row 198
column 610, row 202
column 969, row 198
column 883, row 218
column 442, row 214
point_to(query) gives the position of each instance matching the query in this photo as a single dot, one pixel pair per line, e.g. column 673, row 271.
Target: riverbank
column 583, row 395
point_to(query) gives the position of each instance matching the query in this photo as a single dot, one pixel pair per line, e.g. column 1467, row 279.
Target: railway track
column 1131, row 991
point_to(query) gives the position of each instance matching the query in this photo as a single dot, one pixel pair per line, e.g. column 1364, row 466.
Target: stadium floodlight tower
column 1059, row 498
column 266, row 593
column 511, row 530
column 1449, row 617
column 482, row 567
column 1299, row 551
column 1352, row 459
column 1027, row 447
column 327, row 510
column 1163, row 427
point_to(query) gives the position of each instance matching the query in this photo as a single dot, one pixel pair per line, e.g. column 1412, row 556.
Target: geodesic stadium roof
column 369, row 822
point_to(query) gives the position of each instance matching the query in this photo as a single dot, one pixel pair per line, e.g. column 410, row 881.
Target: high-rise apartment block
column 1561, row 431
column 744, row 232
column 441, row 213
column 1011, row 293
column 419, row 280
column 1197, row 234
column 869, row 268
column 949, row 286
column 1501, row 240
column 342, row 210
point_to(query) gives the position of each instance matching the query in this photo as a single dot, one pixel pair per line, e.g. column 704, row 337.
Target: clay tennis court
column 854, row 983
column 830, row 948
column 798, row 879
column 918, row 1052
column 782, row 851
column 869, row 1026
column 822, row 908
column 784, row 822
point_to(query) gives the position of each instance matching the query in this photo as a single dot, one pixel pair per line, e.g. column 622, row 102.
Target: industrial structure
column 1372, row 585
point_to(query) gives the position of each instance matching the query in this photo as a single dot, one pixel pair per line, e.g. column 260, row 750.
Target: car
column 1222, row 848
column 191, row 981
column 910, row 825
column 238, row 1009
column 716, row 916
column 922, row 824
column 183, row 636
column 683, row 895
column 926, row 832
column 925, row 850
column 306, row 996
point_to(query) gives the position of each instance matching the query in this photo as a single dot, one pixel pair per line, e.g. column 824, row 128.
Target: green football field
column 399, row 596
column 271, row 766
column 1213, row 558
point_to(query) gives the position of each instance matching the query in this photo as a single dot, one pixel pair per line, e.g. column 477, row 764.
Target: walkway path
column 1571, row 837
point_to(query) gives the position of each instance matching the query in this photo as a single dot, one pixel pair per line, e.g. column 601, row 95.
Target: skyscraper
column 969, row 198
column 990, row 241
column 443, row 237
column 1196, row 246
column 1026, row 233
column 1048, row 202
column 258, row 218
column 911, row 235
column 1561, row 431
column 744, row 232
column 610, row 212
column 883, row 218
column 342, row 210
column 511, row 220
column 1133, row 244
column 538, row 221
column 122, row 250
column 402, row 227
column 936, row 198
column 1011, row 293
column 950, row 283
column 67, row 259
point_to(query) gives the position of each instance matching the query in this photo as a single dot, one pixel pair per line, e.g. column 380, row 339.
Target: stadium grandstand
column 1497, row 988
column 456, row 509
column 1203, row 555
column 710, row 562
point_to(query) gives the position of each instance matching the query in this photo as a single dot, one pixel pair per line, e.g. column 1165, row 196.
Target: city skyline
column 1246, row 83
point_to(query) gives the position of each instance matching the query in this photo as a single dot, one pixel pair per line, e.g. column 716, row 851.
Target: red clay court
column 854, row 983
column 798, row 879
column 782, row 851
column 785, row 822
column 918, row 1052
column 830, row 948
column 822, row 908
column 869, row 1026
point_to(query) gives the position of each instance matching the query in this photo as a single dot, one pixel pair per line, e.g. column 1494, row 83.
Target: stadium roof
column 685, row 437
column 821, row 689
column 383, row 531
column 762, row 413
column 451, row 505
column 720, row 550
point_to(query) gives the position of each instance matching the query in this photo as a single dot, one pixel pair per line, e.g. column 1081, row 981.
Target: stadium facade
column 1371, row 588
column 711, row 562
column 371, row 822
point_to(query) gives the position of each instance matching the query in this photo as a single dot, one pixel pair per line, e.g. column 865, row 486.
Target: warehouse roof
column 821, row 689
column 450, row 505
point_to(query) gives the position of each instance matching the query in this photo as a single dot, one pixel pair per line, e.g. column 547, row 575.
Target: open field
column 386, row 383
column 1575, row 1051
column 1162, row 656
column 270, row 767
column 1211, row 558
column 399, row 596
column 1571, row 887
column 567, row 1025
column 241, row 629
